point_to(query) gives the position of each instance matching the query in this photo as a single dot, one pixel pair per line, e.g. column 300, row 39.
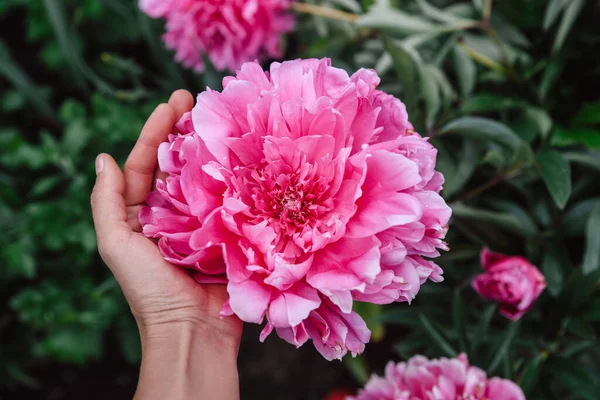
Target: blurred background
column 508, row 91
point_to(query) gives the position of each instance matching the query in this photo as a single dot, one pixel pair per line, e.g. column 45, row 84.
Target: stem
column 489, row 184
column 325, row 12
column 487, row 10
column 481, row 58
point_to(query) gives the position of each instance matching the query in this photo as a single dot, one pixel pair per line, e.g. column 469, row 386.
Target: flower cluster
column 303, row 189
column 229, row 32
column 439, row 379
column 512, row 281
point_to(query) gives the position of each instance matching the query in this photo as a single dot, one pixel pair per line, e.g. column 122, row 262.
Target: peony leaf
column 482, row 327
column 382, row 16
column 465, row 71
column 552, row 11
column 581, row 328
column 576, row 217
column 358, row 368
column 484, row 129
column 568, row 19
column 502, row 346
column 553, row 272
column 437, row 337
column 464, row 169
column 531, row 373
column 488, row 102
column 503, row 219
column 437, row 14
column 459, row 320
column 588, row 137
column 590, row 159
column 588, row 114
column 591, row 257
column 405, row 63
column 556, row 173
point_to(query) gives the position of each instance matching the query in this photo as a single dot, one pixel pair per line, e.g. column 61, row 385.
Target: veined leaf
column 483, row 129
column 591, row 257
column 437, row 337
column 382, row 16
column 556, row 173
column 502, row 347
column 568, row 19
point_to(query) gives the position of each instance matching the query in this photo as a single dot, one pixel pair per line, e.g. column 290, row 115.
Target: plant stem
column 325, row 12
column 489, row 184
column 487, row 10
column 481, row 58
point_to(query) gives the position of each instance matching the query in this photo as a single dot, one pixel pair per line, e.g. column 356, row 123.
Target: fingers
column 181, row 101
column 108, row 206
column 141, row 163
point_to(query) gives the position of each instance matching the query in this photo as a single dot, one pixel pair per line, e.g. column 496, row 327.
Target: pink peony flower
column 304, row 189
column 229, row 32
column 512, row 281
column 440, row 379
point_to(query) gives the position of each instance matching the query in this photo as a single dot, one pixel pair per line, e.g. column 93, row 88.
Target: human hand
column 177, row 317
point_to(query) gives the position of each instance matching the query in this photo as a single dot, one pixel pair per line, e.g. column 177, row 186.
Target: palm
column 157, row 291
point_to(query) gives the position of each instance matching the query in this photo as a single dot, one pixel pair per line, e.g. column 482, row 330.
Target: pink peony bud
column 229, row 32
column 512, row 281
column 441, row 379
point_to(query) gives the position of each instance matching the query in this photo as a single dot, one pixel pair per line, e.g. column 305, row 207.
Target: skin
column 188, row 351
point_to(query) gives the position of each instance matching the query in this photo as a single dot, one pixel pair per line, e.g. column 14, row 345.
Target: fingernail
column 99, row 164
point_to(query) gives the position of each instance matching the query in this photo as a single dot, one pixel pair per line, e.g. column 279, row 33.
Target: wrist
column 186, row 359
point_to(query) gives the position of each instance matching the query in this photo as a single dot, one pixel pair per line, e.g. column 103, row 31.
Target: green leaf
column 552, row 12
column 76, row 136
column 482, row 328
column 430, row 92
column 531, row 373
column 459, row 320
column 358, row 368
column 588, row 137
column 56, row 16
column 45, row 184
column 483, row 129
column 581, row 328
column 502, row 346
column 575, row 220
column 591, row 257
column 568, row 19
column 407, row 71
column 591, row 159
column 488, row 102
column 589, row 114
column 382, row 16
column 397, row 315
column 556, row 173
column 437, row 338
column 465, row 71
column 437, row 14
column 553, row 272
column 502, row 219
column 593, row 311
column 464, row 170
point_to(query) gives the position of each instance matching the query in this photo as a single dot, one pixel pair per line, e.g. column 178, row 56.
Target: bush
column 508, row 94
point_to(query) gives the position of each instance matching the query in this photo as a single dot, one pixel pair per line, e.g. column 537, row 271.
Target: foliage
column 504, row 89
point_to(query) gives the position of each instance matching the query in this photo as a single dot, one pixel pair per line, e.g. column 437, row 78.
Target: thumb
column 108, row 206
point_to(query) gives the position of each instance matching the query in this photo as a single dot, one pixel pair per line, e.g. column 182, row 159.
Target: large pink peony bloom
column 303, row 189
column 438, row 379
column 512, row 281
column 229, row 32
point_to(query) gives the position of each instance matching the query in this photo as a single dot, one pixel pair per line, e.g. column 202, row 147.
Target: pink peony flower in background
column 229, row 32
column 304, row 189
column 512, row 281
column 439, row 379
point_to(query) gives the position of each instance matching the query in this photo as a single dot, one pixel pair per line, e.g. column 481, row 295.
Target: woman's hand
column 187, row 350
